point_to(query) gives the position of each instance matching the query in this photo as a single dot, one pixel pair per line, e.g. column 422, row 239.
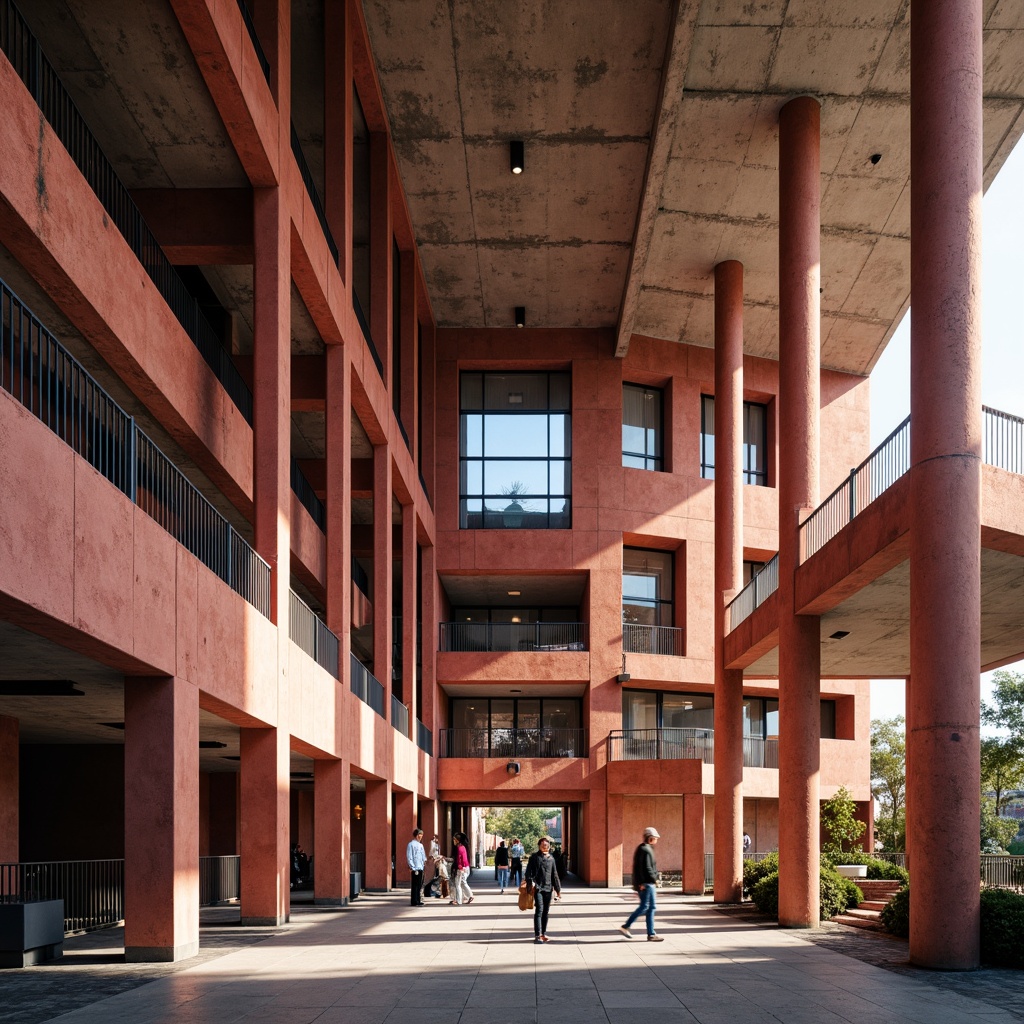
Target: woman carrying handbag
column 542, row 883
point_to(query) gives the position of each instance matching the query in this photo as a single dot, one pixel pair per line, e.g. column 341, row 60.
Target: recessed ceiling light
column 516, row 156
column 514, row 593
column 839, row 634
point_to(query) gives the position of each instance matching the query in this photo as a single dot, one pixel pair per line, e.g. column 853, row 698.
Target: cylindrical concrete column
column 728, row 578
column 943, row 793
column 799, row 409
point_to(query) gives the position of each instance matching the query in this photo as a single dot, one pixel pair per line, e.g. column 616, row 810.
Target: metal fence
column 92, row 890
column 1002, row 440
column 365, row 686
column 314, row 194
column 760, row 753
column 1001, row 871
column 308, row 497
column 45, row 378
column 662, row 745
column 308, row 631
column 643, row 639
column 399, row 716
column 542, row 742
column 762, row 585
column 219, row 880
column 40, row 78
column 879, row 471
column 424, row 738
column 512, row 636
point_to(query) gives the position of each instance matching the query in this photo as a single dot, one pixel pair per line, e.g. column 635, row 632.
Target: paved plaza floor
column 381, row 960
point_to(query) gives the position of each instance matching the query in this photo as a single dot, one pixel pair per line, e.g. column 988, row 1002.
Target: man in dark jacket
column 645, row 881
column 542, row 877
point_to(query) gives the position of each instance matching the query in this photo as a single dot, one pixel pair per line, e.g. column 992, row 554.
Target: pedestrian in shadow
column 501, row 864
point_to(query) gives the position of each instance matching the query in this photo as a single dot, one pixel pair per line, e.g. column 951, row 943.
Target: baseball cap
column 651, row 833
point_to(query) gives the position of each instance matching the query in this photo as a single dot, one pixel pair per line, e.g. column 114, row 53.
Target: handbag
column 525, row 898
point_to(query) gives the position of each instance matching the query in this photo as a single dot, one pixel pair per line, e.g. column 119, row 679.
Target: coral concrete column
column 405, row 822
column 382, row 560
column 693, row 844
column 615, row 856
column 428, row 644
column 9, row 796
column 331, row 798
column 264, row 813
column 943, row 792
column 338, row 129
column 338, row 431
column 410, row 569
column 728, row 580
column 799, row 410
column 377, row 877
column 161, row 818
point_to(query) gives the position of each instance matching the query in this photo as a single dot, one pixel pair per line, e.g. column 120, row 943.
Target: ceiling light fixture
column 839, row 634
column 516, row 156
column 514, row 593
column 520, row 316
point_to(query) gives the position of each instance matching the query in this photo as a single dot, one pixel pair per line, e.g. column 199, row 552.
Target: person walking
column 645, row 881
column 518, row 853
column 460, row 884
column 416, row 857
column 501, row 864
column 542, row 880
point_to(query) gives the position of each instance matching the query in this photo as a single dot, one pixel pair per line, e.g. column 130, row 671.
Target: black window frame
column 660, row 603
column 651, row 462
column 751, row 475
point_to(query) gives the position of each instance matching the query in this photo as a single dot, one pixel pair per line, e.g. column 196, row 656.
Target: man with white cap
column 645, row 881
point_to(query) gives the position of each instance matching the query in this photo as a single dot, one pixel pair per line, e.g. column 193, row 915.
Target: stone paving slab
column 381, row 961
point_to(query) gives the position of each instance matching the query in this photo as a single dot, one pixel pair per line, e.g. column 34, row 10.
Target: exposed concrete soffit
column 677, row 57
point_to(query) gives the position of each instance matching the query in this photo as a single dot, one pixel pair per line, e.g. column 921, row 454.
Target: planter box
column 31, row 932
column 852, row 870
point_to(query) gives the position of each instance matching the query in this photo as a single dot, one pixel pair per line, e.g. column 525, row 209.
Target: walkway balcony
column 543, row 742
column 513, row 636
column 642, row 639
column 686, row 744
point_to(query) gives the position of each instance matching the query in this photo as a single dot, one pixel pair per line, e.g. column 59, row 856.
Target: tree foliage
column 1002, row 767
column 527, row 823
column 1007, row 708
column 889, row 780
column 996, row 832
column 841, row 827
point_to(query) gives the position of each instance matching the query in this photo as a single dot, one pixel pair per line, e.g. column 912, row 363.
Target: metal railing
column 512, row 636
column 762, row 585
column 92, row 890
column 760, row 753
column 424, row 738
column 250, row 26
column 638, row 638
column 1002, row 440
column 40, row 78
column 399, row 716
column 364, row 326
column 45, row 378
column 307, row 497
column 879, row 471
column 899, row 859
column 314, row 194
column 365, row 686
column 219, row 880
column 543, row 742
column 1002, row 871
column 309, row 632
column 662, row 745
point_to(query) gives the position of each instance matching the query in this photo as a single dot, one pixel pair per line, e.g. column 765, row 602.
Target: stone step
column 858, row 922
column 877, row 905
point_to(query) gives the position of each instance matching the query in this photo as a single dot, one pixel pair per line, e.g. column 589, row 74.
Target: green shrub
column 896, row 914
column 1002, row 925
column 877, row 868
column 755, row 870
column 765, row 894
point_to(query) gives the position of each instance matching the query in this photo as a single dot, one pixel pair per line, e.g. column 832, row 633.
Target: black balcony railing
column 361, row 579
column 365, row 685
column 307, row 497
column 45, row 378
column 662, row 745
column 364, row 326
column 399, row 716
column 309, row 632
column 92, row 890
column 424, row 738
column 40, row 78
column 219, row 880
column 314, row 194
column 542, row 742
column 513, row 636
column 250, row 26
column 642, row 639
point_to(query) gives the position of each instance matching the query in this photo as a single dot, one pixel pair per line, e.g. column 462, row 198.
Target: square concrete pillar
column 265, row 781
column 693, row 844
column 332, row 800
column 377, row 877
column 614, row 839
column 405, row 822
column 161, row 817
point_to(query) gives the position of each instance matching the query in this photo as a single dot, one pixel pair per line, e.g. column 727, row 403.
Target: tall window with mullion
column 515, row 451
column 647, row 587
column 755, row 441
column 642, row 429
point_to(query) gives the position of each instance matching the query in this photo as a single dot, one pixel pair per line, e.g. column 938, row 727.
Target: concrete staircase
column 877, row 893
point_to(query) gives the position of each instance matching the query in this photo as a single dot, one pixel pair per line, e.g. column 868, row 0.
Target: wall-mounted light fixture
column 520, row 316
column 623, row 676
column 358, row 811
column 516, row 156
column 512, row 767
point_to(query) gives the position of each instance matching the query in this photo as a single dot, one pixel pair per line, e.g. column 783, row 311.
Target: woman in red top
column 460, row 887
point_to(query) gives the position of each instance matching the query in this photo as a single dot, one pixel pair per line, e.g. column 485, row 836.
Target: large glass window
column 515, row 451
column 647, row 709
column 642, row 429
column 647, row 587
column 516, row 727
column 755, row 441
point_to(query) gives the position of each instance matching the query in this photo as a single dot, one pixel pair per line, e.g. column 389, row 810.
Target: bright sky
column 1002, row 354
